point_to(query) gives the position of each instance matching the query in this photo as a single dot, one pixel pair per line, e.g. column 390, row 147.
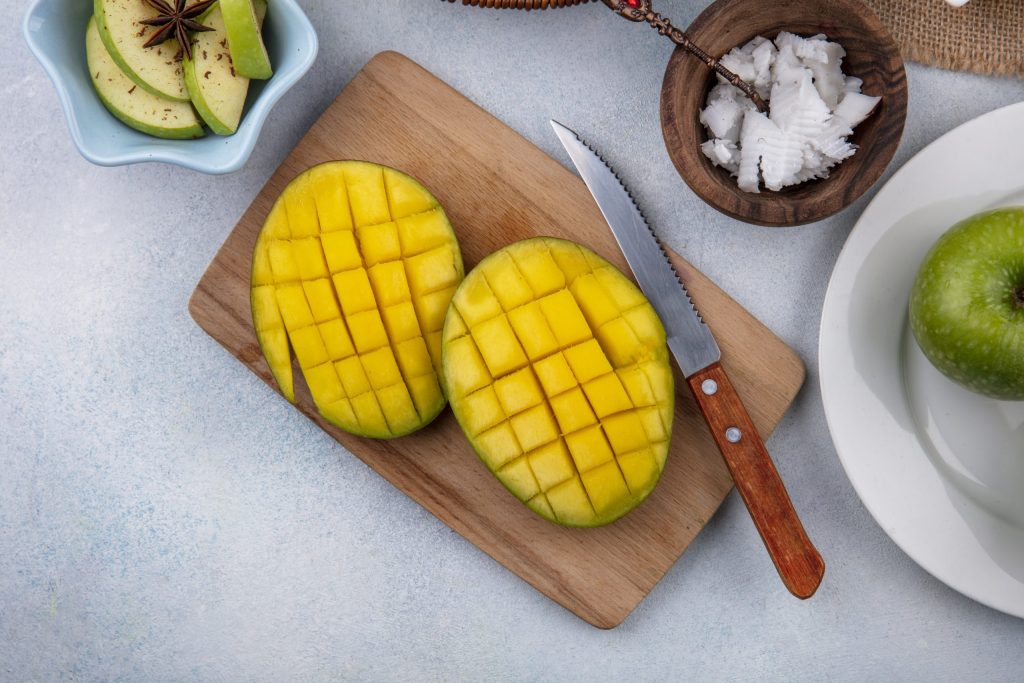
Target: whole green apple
column 967, row 304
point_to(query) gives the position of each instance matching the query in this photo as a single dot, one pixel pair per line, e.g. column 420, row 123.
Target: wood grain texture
column 497, row 188
column 871, row 54
column 797, row 560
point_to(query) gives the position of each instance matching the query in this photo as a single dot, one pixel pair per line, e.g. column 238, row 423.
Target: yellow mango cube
column 431, row 309
column 282, row 261
column 654, row 426
column 320, row 295
column 433, row 270
column 565, row 318
column 551, row 464
column 301, row 208
column 381, row 368
column 624, row 293
column 308, row 346
column 540, row 270
column 413, row 358
column 426, row 395
column 406, row 197
column 331, row 199
column 570, row 259
column 507, row 283
column 336, row 339
column 570, row 504
column 532, row 329
column 341, row 251
column 539, row 504
column 309, row 257
column 424, row 231
column 498, row 446
column 324, row 384
column 587, row 361
column 554, row 374
column 379, row 243
column 369, row 414
column 398, row 408
column 621, row 343
column 291, row 302
column 534, row 427
column 572, row 411
column 353, row 377
column 598, row 307
column 517, row 478
column 625, row 431
column 466, row 369
column 605, row 487
column 475, row 302
column 338, row 413
column 589, row 448
column 354, row 291
column 400, row 322
column 498, row 346
column 484, row 411
column 648, row 327
column 518, row 391
column 265, row 314
column 637, row 386
column 389, row 284
column 640, row 469
column 367, row 330
column 368, row 199
column 607, row 395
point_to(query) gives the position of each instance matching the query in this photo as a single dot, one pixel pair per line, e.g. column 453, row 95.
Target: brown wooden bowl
column 871, row 54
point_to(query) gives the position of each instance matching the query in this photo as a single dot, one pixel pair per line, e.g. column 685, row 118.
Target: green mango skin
column 967, row 304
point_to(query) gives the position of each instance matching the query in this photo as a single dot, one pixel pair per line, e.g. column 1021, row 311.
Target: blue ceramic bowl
column 55, row 31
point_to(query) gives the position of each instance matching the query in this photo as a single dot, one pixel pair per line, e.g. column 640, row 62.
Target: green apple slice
column 243, row 20
column 217, row 89
column 135, row 107
column 156, row 68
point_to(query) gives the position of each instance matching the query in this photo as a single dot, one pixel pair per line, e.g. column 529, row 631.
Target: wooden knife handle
column 798, row 562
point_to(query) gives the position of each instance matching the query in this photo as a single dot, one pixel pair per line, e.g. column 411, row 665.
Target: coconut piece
column 828, row 73
column 787, row 67
column 722, row 153
column 722, row 118
column 797, row 108
column 757, row 131
column 740, row 63
column 764, row 57
column 782, row 159
column 853, row 84
column 856, row 107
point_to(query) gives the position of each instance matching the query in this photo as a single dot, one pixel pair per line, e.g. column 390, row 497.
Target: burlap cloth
column 984, row 36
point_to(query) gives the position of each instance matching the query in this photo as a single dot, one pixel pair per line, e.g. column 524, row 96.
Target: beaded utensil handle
column 637, row 10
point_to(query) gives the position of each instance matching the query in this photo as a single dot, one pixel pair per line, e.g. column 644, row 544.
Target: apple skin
column 967, row 304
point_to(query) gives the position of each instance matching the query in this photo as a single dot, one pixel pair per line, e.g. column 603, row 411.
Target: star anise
column 175, row 20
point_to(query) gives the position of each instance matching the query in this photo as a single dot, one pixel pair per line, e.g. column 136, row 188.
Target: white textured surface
column 165, row 516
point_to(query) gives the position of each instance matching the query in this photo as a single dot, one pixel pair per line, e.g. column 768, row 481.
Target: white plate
column 939, row 468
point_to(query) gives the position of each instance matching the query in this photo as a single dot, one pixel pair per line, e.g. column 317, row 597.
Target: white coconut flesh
column 813, row 109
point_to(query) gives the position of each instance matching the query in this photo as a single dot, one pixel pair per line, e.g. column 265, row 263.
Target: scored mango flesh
column 556, row 368
column 353, row 271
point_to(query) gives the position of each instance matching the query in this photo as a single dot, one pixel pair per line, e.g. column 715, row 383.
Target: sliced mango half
column 556, row 368
column 353, row 273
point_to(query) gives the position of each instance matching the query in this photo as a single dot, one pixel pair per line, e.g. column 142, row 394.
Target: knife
column 694, row 347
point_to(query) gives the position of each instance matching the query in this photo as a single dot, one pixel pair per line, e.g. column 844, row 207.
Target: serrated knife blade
column 694, row 347
column 689, row 339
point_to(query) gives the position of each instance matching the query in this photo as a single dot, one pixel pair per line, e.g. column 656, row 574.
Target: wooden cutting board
column 497, row 188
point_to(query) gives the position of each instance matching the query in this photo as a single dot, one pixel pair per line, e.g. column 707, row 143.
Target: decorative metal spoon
column 640, row 10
